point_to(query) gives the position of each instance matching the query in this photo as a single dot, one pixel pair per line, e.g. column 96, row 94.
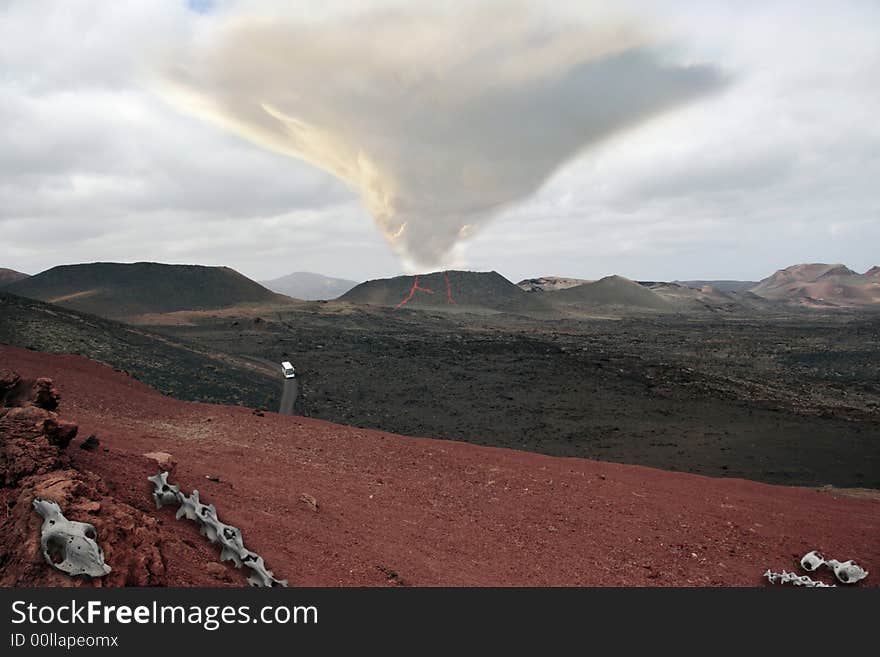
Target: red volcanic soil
column 395, row 510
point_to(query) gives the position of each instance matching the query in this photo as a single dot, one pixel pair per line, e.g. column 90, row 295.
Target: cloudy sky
column 357, row 139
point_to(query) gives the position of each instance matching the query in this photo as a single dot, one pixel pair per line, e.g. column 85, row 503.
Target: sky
column 659, row 141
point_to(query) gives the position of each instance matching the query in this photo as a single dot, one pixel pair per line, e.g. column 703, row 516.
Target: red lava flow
column 395, row 510
column 415, row 287
column 449, row 298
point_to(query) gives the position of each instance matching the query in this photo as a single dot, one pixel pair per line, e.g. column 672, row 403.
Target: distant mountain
column 820, row 285
column 8, row 276
column 611, row 291
column 306, row 285
column 447, row 290
column 721, row 286
column 549, row 283
column 873, row 272
column 709, row 299
column 620, row 293
column 112, row 289
column 798, row 275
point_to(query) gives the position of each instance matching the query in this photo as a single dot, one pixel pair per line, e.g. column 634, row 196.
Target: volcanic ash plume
column 438, row 121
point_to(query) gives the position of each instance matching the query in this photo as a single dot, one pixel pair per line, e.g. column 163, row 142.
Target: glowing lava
column 417, row 288
column 449, row 298
column 412, row 292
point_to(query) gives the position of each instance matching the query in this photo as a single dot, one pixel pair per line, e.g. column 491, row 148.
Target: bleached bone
column 812, row 561
column 210, row 523
column 846, row 572
column 261, row 576
column 73, row 541
column 793, row 578
column 232, row 546
column 192, row 508
column 230, row 539
column 165, row 493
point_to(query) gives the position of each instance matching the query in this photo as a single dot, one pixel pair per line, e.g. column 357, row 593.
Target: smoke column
column 439, row 121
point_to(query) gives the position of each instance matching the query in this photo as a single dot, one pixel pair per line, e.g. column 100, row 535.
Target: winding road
column 289, row 391
column 289, row 387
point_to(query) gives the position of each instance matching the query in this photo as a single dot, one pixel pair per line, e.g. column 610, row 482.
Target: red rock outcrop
column 33, row 464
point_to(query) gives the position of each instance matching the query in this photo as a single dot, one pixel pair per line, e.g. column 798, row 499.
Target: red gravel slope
column 399, row 510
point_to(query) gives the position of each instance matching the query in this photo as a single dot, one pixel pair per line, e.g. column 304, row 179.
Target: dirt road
column 289, row 391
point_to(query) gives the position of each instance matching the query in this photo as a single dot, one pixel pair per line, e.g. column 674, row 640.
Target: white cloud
column 780, row 167
column 437, row 120
column 739, row 184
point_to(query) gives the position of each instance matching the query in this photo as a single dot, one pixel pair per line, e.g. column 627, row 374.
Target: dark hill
column 8, row 276
column 611, row 291
column 112, row 289
column 448, row 290
column 181, row 370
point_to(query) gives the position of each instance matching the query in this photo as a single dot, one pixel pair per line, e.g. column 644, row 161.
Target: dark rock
column 45, row 394
column 15, row 391
column 59, row 432
column 29, row 414
column 8, row 381
column 90, row 443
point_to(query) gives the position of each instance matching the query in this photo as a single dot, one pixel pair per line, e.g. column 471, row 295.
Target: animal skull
column 68, row 545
